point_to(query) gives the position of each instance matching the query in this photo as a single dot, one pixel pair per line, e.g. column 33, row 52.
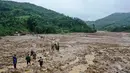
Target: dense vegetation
column 114, row 22
column 28, row 18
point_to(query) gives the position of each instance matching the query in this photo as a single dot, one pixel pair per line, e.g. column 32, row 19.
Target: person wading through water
column 28, row 59
column 15, row 61
column 40, row 61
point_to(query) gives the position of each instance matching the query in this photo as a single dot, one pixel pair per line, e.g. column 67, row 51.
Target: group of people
column 28, row 59
column 54, row 46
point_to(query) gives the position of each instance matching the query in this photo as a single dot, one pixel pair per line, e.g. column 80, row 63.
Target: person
column 32, row 52
column 28, row 59
column 15, row 61
column 34, row 55
column 57, row 46
column 40, row 61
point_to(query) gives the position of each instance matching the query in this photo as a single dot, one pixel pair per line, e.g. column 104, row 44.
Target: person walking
column 15, row 61
column 34, row 55
column 32, row 52
column 28, row 59
column 57, row 46
column 40, row 61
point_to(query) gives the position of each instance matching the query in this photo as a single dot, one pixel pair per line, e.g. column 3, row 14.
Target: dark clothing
column 34, row 56
column 32, row 52
column 28, row 62
column 40, row 62
column 15, row 66
column 28, row 59
column 14, row 61
column 57, row 46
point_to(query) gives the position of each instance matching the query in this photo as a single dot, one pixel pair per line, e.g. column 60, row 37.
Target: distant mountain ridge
column 26, row 17
column 112, row 22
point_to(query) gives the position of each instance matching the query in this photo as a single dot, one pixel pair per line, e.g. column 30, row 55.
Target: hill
column 113, row 22
column 28, row 18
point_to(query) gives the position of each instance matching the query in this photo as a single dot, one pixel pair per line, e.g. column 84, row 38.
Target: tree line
column 28, row 18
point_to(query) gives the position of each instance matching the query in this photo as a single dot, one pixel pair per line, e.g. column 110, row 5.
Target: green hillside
column 114, row 22
column 27, row 18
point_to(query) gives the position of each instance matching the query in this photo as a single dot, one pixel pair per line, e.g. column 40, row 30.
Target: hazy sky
column 84, row 9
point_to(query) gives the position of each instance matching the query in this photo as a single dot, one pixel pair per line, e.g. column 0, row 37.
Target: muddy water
column 79, row 69
column 72, row 46
column 19, row 66
column 71, row 63
column 28, row 71
column 3, row 70
column 89, row 59
column 82, row 67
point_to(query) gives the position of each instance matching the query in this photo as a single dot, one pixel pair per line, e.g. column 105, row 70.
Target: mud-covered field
column 101, row 52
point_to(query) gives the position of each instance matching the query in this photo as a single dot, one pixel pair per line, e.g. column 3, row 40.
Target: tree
column 26, row 17
column 94, row 28
column 32, row 23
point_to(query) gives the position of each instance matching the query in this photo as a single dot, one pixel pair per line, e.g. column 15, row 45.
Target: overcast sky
column 84, row 9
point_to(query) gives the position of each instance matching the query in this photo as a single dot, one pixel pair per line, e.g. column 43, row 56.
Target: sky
column 84, row 9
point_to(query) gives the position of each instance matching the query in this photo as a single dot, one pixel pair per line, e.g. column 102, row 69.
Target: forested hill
column 114, row 22
column 27, row 18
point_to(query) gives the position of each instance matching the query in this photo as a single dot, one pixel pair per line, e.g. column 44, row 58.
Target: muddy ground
column 101, row 52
